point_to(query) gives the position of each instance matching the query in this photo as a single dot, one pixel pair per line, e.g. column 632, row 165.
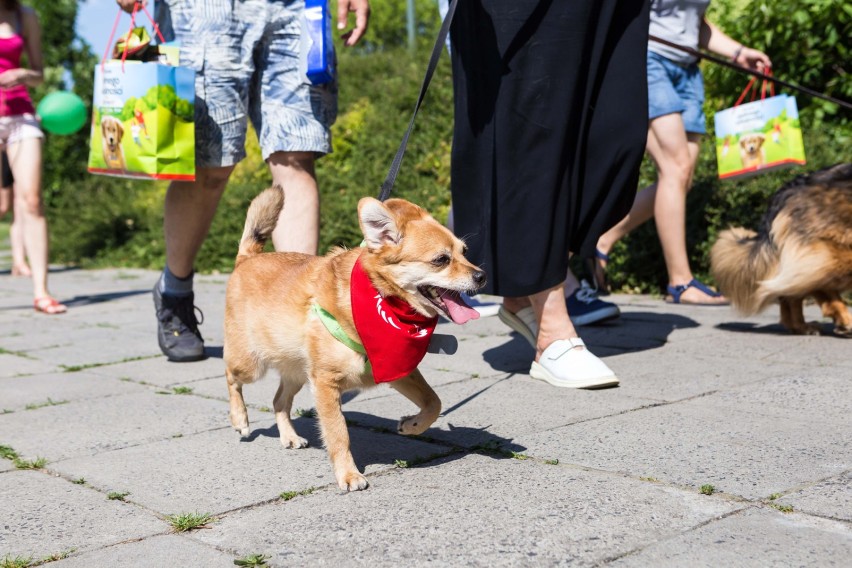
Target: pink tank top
column 16, row 100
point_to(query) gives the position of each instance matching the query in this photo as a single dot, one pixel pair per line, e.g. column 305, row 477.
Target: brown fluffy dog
column 803, row 248
column 269, row 321
column 751, row 150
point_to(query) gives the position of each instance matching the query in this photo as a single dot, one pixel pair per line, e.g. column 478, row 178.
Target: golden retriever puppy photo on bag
column 112, row 131
column 346, row 320
column 802, row 249
column 752, row 152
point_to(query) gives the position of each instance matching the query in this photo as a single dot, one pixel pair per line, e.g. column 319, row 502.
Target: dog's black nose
column 479, row 278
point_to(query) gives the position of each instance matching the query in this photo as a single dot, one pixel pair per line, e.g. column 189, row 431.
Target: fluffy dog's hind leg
column 793, row 318
column 282, row 403
column 835, row 308
column 417, row 390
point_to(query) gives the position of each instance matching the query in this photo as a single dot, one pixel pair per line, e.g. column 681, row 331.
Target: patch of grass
column 37, row 463
column 519, row 456
column 551, row 462
column 177, row 435
column 22, row 354
column 265, row 409
column 653, row 480
column 77, row 368
column 79, row 481
column 188, row 521
column 774, row 496
column 252, row 560
column 707, row 489
column 182, row 390
column 306, row 413
column 15, row 562
column 287, row 495
column 7, row 452
column 125, row 379
column 49, row 402
column 781, row 507
column 402, row 464
column 474, row 375
column 162, row 392
column 6, row 411
column 117, row 495
column 57, row 556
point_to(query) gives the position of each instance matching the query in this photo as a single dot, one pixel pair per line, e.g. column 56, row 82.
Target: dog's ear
column 760, row 139
column 120, row 127
column 377, row 223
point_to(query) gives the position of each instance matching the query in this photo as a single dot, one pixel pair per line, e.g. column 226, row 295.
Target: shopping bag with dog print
column 758, row 136
column 143, row 121
column 143, row 110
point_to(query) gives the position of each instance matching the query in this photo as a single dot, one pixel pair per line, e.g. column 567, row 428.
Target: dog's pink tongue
column 458, row 311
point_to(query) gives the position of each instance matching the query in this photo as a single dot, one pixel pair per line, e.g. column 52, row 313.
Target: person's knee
column 677, row 168
column 32, row 204
column 214, row 179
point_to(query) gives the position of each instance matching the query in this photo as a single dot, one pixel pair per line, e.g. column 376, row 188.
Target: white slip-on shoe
column 563, row 365
column 523, row 322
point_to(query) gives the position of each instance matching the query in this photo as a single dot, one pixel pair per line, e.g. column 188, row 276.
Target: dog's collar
column 334, row 328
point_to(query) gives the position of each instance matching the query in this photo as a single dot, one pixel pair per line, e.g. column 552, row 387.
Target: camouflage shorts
column 246, row 54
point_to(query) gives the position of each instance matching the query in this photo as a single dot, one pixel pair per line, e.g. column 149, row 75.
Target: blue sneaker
column 585, row 308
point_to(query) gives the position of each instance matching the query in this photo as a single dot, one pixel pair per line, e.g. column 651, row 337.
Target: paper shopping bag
column 758, row 136
column 143, row 121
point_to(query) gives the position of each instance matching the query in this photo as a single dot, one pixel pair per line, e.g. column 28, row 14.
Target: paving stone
column 17, row 365
column 157, row 370
column 693, row 443
column 497, row 411
column 489, row 523
column 829, row 498
column 752, row 538
column 217, row 471
column 156, row 551
column 45, row 515
column 59, row 388
column 99, row 425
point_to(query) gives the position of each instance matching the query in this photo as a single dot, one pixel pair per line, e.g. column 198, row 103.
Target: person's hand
column 362, row 16
column 753, row 59
column 127, row 5
column 13, row 78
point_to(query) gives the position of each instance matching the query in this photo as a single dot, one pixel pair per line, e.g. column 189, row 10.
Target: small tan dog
column 271, row 321
column 112, row 132
column 751, row 150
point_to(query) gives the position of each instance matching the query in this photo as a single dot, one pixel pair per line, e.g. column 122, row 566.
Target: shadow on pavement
column 632, row 332
column 826, row 329
column 87, row 300
column 368, row 453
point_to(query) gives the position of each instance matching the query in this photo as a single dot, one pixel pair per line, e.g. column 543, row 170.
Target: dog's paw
column 412, row 425
column 294, row 442
column 352, row 481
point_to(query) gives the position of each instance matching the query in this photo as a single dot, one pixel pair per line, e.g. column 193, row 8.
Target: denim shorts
column 675, row 88
column 246, row 55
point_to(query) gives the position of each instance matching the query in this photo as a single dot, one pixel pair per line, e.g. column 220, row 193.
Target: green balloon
column 62, row 112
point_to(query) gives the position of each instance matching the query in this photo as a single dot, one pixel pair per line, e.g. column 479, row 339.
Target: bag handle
column 387, row 186
column 766, row 86
column 136, row 7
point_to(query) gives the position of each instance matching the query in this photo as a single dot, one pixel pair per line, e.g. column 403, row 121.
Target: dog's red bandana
column 394, row 335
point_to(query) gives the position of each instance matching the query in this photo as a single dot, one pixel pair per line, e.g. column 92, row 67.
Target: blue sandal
column 675, row 293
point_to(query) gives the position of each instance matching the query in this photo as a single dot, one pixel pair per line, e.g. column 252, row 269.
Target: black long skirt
column 551, row 118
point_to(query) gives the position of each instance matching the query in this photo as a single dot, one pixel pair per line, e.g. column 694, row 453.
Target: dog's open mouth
column 450, row 303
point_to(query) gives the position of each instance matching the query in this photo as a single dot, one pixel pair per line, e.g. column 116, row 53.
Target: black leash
column 726, row 63
column 387, row 186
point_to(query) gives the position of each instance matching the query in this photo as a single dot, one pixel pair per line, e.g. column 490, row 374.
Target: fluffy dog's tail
column 740, row 260
column 260, row 221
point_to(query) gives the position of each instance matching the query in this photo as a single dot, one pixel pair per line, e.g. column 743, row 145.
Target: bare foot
column 21, row 270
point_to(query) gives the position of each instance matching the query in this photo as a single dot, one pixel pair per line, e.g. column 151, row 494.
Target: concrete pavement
column 515, row 472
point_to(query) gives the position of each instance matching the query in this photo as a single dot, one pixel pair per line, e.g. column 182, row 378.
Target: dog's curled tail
column 260, row 221
column 739, row 261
